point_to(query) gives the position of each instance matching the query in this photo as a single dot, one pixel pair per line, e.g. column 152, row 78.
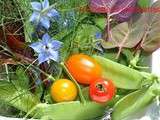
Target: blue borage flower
column 43, row 13
column 47, row 49
column 98, row 45
column 98, row 35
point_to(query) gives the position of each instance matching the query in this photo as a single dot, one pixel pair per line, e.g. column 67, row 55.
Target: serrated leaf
column 17, row 97
column 21, row 79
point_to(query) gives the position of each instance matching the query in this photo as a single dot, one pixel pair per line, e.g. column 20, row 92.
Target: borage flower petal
column 54, row 55
column 42, row 57
column 47, row 49
column 46, row 39
column 38, row 47
column 43, row 14
column 45, row 22
column 34, row 17
column 53, row 14
column 56, row 44
column 36, row 6
column 45, row 4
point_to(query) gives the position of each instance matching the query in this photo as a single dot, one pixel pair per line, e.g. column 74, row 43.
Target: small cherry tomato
column 102, row 91
column 63, row 90
column 84, row 68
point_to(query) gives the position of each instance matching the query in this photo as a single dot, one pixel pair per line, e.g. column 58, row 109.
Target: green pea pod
column 122, row 76
column 132, row 103
column 69, row 111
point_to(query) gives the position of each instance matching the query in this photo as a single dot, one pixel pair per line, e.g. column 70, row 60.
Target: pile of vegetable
column 78, row 60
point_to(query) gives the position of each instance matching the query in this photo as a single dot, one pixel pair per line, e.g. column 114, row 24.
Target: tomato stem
column 101, row 87
column 72, row 78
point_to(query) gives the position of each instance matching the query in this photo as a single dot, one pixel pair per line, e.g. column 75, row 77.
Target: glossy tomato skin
column 63, row 90
column 102, row 90
column 83, row 68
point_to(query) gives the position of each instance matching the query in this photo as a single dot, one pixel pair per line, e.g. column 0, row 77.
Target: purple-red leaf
column 124, row 9
column 101, row 6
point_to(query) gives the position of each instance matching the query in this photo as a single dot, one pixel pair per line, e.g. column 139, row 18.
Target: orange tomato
column 63, row 90
column 83, row 68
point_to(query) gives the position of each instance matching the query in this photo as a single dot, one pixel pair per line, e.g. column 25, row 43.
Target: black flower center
column 46, row 47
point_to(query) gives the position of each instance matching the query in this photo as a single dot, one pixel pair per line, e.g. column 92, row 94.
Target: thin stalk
column 133, row 63
column 71, row 77
column 7, row 72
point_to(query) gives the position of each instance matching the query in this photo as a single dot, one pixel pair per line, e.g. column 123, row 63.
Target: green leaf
column 70, row 4
column 17, row 97
column 129, row 55
column 70, row 110
column 21, row 79
column 127, row 34
column 122, row 76
column 84, row 41
column 152, row 31
column 143, row 30
column 131, row 104
column 144, row 3
column 100, row 21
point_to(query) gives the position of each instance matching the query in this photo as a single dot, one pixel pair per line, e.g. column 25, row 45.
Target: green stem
column 149, row 76
column 133, row 63
column 149, row 79
column 48, row 76
column 30, row 112
column 46, row 10
column 141, row 67
column 71, row 77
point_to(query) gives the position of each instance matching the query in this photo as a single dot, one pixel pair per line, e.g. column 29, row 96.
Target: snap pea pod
column 74, row 110
column 122, row 76
column 136, row 101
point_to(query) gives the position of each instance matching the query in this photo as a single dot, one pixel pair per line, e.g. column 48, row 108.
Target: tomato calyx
column 101, row 90
column 101, row 87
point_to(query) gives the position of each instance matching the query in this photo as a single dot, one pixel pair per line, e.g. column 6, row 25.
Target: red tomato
column 83, row 68
column 102, row 91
